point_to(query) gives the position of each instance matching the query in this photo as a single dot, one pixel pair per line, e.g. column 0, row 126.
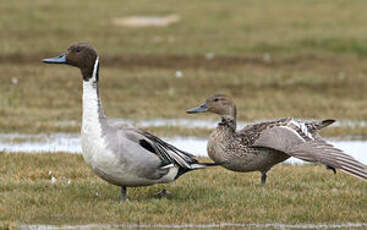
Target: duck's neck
column 228, row 122
column 93, row 115
column 229, row 118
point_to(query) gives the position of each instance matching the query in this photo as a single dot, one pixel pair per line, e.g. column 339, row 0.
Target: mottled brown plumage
column 260, row 146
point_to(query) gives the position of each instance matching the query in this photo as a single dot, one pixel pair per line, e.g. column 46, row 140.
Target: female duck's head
column 219, row 104
column 81, row 55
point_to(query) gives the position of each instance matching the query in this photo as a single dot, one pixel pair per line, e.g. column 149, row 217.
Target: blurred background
column 305, row 59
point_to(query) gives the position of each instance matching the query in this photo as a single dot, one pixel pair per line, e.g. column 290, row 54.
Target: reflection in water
column 70, row 143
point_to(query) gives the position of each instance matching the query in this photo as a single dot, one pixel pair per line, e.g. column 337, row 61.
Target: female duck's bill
column 56, row 60
column 200, row 109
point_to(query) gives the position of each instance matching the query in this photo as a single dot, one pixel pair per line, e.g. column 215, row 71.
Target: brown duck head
column 219, row 104
column 81, row 55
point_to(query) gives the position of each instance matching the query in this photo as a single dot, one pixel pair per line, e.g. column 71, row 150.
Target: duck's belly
column 247, row 159
column 256, row 160
column 107, row 166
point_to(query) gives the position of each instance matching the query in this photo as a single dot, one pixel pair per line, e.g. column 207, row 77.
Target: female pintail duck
column 119, row 153
column 258, row 147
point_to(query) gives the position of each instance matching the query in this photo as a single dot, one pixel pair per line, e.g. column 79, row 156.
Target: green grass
column 48, row 93
column 293, row 194
column 317, row 66
column 232, row 27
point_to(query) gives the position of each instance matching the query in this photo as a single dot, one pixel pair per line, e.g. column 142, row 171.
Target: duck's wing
column 302, row 144
column 167, row 153
column 256, row 128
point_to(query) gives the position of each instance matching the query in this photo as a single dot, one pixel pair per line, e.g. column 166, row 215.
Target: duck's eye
column 77, row 50
column 216, row 99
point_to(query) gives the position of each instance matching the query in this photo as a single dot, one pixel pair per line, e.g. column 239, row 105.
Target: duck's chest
column 220, row 144
column 95, row 151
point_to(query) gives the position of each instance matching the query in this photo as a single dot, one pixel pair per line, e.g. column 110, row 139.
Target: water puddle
column 194, row 226
column 70, row 143
column 145, row 21
column 40, row 143
column 196, row 123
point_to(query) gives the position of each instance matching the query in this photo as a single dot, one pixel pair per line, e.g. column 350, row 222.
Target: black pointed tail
column 195, row 166
column 325, row 123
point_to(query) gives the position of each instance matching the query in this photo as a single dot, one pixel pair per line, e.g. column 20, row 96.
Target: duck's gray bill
column 56, row 60
column 200, row 109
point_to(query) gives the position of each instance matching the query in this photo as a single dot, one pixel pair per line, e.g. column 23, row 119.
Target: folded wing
column 168, row 153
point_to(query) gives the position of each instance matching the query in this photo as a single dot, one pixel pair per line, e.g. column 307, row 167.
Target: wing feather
column 170, row 154
column 286, row 140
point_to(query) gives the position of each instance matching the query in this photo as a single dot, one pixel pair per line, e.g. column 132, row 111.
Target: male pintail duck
column 258, row 147
column 120, row 153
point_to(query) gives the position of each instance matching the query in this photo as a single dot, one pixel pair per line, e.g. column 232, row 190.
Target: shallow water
column 195, row 226
column 145, row 21
column 70, row 143
column 198, row 123
column 40, row 143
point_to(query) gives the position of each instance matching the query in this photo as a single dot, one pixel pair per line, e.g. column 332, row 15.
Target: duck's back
column 250, row 133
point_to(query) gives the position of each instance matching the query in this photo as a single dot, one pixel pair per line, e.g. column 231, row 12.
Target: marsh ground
column 293, row 194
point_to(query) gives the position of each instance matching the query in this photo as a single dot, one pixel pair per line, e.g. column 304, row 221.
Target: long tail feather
column 325, row 123
column 201, row 165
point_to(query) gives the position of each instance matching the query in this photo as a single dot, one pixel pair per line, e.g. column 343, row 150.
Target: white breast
column 95, row 153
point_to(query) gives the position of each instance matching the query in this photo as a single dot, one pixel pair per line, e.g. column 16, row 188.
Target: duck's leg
column 123, row 193
column 328, row 167
column 263, row 178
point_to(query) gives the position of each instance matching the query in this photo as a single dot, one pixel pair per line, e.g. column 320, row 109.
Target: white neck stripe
column 95, row 69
